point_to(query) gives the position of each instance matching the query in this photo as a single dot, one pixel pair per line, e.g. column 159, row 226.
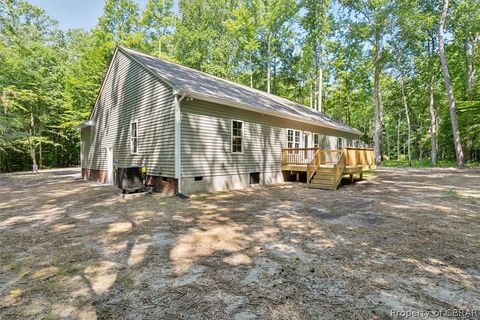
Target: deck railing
column 314, row 157
column 359, row 156
column 306, row 155
column 338, row 160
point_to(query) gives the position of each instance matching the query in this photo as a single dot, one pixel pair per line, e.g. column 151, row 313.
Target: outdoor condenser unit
column 130, row 179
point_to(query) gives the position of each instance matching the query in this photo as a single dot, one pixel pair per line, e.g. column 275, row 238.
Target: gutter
column 248, row 107
column 178, row 131
column 84, row 124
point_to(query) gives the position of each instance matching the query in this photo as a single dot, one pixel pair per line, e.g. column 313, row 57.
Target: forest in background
column 373, row 64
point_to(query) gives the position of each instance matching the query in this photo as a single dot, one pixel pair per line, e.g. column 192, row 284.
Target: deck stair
column 325, row 168
column 324, row 179
column 326, row 172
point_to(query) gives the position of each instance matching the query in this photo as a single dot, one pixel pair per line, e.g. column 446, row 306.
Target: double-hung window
column 316, row 140
column 341, row 143
column 134, row 137
column 293, row 139
column 237, row 136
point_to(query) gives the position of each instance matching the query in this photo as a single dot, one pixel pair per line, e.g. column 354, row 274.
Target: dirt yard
column 401, row 240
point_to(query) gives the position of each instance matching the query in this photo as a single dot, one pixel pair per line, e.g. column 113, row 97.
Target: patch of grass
column 426, row 163
column 452, row 193
column 51, row 317
column 6, row 257
column 126, row 280
column 70, row 270
column 370, row 174
column 18, row 266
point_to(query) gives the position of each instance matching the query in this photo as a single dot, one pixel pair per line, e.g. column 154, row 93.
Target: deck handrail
column 313, row 165
column 338, row 169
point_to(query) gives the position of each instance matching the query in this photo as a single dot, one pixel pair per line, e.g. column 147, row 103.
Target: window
column 340, row 143
column 134, row 137
column 289, row 139
column 293, row 139
column 237, row 136
column 316, row 140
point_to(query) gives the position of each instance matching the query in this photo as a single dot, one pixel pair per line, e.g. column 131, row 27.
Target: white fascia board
column 85, row 124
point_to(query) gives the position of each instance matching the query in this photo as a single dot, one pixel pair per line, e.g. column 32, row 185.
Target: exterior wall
column 206, row 146
column 95, row 175
column 130, row 93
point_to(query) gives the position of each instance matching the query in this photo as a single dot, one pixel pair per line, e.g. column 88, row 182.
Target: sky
column 75, row 13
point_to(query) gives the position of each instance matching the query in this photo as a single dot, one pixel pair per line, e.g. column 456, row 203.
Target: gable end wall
column 130, row 93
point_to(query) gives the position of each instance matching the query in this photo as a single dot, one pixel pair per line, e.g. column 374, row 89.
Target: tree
column 158, row 20
column 374, row 17
column 276, row 19
column 120, row 21
column 242, row 26
column 449, row 88
column 316, row 23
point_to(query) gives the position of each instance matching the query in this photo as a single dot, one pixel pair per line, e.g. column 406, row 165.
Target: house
column 195, row 132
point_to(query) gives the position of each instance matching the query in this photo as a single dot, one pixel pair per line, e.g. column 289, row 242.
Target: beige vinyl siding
column 130, row 93
column 85, row 146
column 206, row 135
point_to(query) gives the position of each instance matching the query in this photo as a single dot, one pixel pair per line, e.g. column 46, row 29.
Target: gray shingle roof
column 191, row 80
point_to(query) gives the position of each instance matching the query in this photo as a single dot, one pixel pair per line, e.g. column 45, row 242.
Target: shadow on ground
column 403, row 239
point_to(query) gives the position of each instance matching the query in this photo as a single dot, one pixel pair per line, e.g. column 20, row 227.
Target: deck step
column 321, row 186
column 323, row 178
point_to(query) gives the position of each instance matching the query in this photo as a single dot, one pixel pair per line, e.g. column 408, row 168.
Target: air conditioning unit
column 130, row 178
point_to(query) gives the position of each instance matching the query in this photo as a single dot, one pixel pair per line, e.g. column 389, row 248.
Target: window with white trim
column 237, row 136
column 293, row 139
column 316, row 140
column 134, row 137
column 342, row 142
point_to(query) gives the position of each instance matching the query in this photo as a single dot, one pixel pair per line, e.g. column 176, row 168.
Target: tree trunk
column 31, row 148
column 449, row 88
column 40, row 156
column 398, row 136
column 251, row 70
column 420, row 144
column 269, row 65
column 349, row 116
column 388, row 143
column 311, row 97
column 405, row 105
column 159, row 44
column 320, row 87
column 433, row 121
column 472, row 46
column 376, row 100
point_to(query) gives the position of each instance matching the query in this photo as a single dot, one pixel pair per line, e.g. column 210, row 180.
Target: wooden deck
column 325, row 168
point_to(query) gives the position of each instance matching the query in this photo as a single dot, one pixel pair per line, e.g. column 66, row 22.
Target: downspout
column 178, row 153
